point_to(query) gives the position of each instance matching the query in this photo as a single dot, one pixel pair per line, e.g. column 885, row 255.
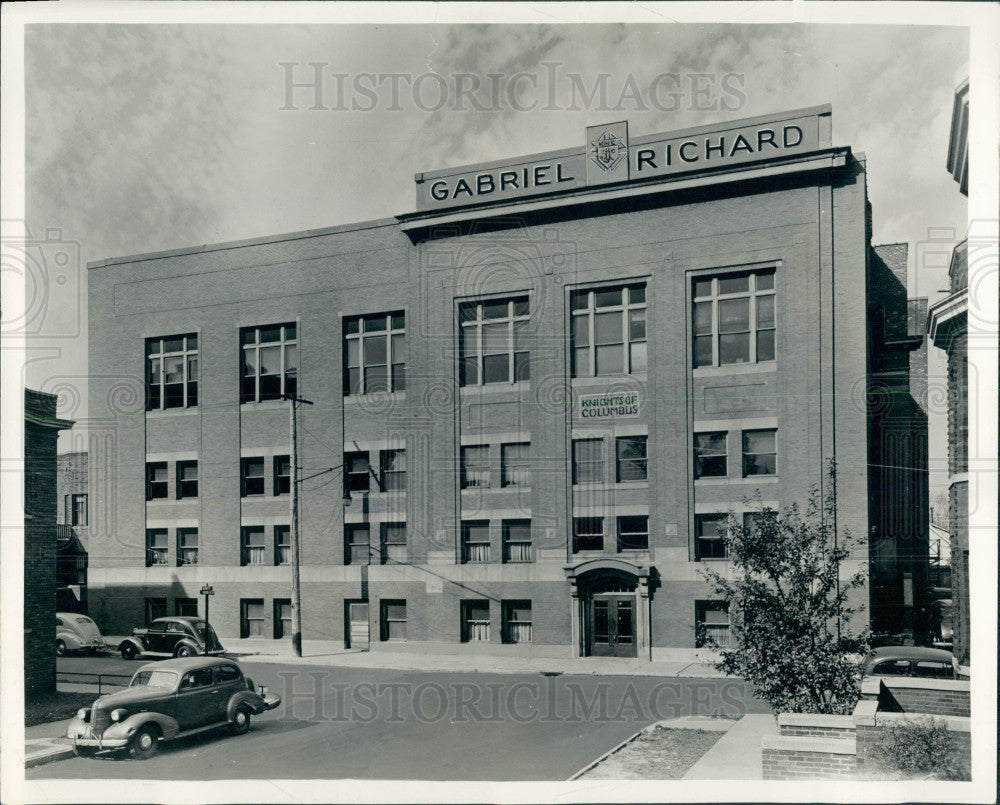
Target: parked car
column 910, row 661
column 168, row 700
column 172, row 637
column 76, row 632
column 941, row 621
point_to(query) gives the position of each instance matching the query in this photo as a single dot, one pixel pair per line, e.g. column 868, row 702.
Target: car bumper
column 81, row 734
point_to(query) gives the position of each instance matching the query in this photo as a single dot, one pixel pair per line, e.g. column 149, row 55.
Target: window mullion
column 752, row 323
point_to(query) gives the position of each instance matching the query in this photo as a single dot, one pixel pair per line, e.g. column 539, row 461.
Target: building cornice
column 944, row 315
column 812, row 162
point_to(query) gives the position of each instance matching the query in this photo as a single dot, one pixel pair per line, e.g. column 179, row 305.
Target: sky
column 149, row 137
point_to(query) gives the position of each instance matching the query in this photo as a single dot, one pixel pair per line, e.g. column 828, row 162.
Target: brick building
column 535, row 398
column 41, row 431
column 948, row 327
column 71, row 529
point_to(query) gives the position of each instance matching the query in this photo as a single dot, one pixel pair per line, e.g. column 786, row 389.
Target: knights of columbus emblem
column 607, row 151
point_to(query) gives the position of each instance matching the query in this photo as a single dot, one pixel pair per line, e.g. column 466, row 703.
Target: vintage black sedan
column 172, row 637
column 166, row 700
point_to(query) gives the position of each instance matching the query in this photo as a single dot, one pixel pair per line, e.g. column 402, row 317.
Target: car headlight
column 119, row 714
column 82, row 714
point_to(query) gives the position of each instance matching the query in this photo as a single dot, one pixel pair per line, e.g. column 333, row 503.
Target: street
column 386, row 724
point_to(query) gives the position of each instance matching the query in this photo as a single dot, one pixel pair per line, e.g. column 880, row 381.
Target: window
column 282, row 618
column 171, row 372
column 78, row 510
column 476, row 541
column 282, row 545
column 156, row 546
column 251, row 617
column 476, row 621
column 282, row 475
column 712, row 621
column 202, row 678
column 187, row 479
column 631, row 454
column 358, row 471
column 709, row 532
column 892, row 668
column 392, row 470
column 515, row 464
column 761, row 521
column 734, row 318
column 609, row 330
column 252, row 476
column 252, row 538
column 393, row 539
column 588, row 534
column 375, row 353
column 357, row 538
column 494, row 341
column 476, row 467
column 633, row 533
column 270, row 362
column 187, row 546
column 760, row 455
column 516, row 621
column 517, row 540
column 227, row 674
column 710, row 455
column 156, row 480
column 588, row 461
column 186, row 607
column 155, row 608
column 393, row 620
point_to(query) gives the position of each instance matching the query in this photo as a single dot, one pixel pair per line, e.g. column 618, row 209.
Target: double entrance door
column 612, row 625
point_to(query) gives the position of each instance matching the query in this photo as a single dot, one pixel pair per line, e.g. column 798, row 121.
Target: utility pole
column 296, row 586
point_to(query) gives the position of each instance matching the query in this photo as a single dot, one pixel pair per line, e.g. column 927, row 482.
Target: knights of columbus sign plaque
column 607, row 153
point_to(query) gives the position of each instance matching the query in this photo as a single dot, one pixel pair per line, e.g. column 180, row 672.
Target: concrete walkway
column 315, row 652
column 737, row 754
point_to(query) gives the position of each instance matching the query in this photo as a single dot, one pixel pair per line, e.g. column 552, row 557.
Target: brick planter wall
column 793, row 757
column 939, row 697
column 816, row 726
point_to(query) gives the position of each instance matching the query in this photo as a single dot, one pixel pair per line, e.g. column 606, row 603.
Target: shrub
column 919, row 747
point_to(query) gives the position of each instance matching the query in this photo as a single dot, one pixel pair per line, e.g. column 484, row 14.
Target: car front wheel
column 144, row 743
column 128, row 651
column 241, row 720
column 60, row 648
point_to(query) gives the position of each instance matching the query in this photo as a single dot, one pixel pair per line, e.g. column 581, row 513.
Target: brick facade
column 813, row 396
column 41, row 431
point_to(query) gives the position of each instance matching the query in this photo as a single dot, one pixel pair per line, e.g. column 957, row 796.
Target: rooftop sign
column 608, row 157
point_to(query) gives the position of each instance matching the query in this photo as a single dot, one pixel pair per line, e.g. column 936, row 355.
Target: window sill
column 264, row 405
column 755, row 479
column 494, row 388
column 373, row 397
column 633, row 484
column 157, row 413
column 735, row 369
column 266, row 498
column 600, row 381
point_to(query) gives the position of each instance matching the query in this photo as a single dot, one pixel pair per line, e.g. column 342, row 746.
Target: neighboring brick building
column 72, row 519
column 41, row 431
column 947, row 325
column 547, row 387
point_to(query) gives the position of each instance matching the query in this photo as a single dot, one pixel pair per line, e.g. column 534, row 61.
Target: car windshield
column 154, row 679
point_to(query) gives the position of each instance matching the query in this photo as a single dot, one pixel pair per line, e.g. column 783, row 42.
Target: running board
column 215, row 726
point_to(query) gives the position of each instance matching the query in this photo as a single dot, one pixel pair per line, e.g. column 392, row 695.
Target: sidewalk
column 317, row 652
column 737, row 754
column 44, row 743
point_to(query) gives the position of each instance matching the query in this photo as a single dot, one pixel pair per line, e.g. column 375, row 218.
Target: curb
column 48, row 756
column 606, row 755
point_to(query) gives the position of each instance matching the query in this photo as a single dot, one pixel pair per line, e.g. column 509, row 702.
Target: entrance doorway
column 357, row 628
column 612, row 626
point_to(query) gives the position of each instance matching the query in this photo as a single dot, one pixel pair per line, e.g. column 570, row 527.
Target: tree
column 789, row 610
